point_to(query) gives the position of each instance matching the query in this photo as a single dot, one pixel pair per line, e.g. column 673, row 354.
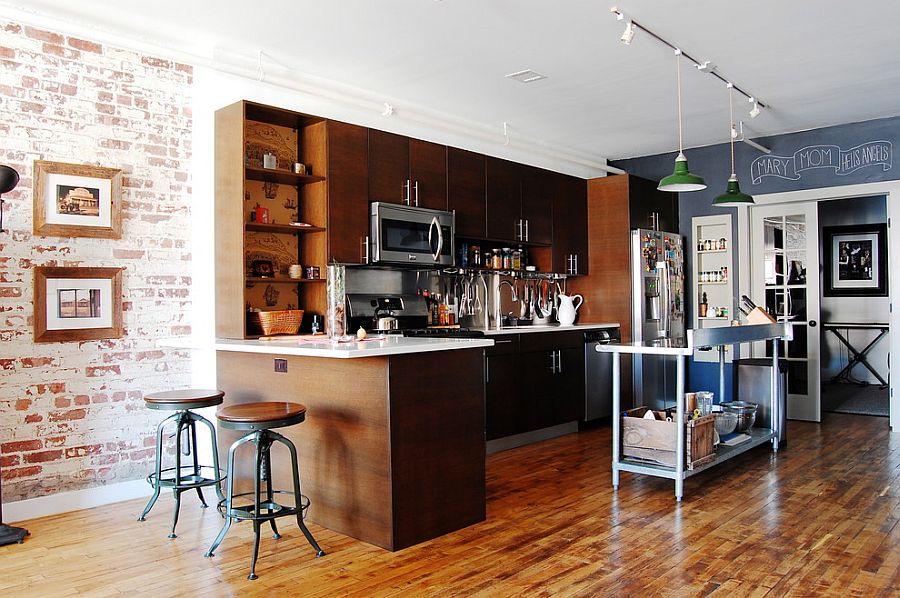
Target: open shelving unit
column 719, row 293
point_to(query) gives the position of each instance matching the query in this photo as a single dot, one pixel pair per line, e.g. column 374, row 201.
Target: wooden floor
column 820, row 518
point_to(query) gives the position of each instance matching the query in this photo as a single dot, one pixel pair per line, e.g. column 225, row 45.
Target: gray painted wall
column 713, row 163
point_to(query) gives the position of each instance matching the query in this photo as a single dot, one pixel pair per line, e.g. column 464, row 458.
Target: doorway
column 889, row 189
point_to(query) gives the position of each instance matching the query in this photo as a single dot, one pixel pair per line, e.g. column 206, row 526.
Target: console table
column 857, row 356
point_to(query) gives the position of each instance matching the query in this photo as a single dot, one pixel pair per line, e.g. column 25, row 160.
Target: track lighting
column 754, row 112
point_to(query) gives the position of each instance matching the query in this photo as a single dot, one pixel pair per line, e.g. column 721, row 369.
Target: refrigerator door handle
column 662, row 269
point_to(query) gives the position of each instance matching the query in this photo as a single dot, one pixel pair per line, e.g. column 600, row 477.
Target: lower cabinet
column 534, row 380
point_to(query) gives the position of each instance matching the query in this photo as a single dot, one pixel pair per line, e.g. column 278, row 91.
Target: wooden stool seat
column 261, row 416
column 179, row 400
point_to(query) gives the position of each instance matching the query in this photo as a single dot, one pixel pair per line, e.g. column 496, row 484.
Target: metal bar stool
column 260, row 419
column 193, row 475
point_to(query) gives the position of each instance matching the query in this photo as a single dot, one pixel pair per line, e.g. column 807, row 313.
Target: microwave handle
column 440, row 240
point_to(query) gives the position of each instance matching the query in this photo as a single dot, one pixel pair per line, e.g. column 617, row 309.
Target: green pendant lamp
column 681, row 179
column 732, row 196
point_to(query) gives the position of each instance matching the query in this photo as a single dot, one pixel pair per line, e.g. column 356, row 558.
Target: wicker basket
column 267, row 323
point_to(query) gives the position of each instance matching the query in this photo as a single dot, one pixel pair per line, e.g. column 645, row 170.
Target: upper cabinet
column 519, row 204
column 348, row 201
column 647, row 204
column 466, row 191
column 570, row 229
column 408, row 171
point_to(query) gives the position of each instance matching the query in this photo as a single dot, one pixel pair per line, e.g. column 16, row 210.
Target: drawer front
column 546, row 341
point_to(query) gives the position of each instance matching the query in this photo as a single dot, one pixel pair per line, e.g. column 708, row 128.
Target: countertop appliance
column 411, row 235
column 657, row 279
column 598, row 373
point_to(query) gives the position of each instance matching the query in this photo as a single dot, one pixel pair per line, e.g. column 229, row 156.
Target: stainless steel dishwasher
column 598, row 373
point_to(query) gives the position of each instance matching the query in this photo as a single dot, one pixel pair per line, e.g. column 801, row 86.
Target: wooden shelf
column 282, row 279
column 285, row 177
column 712, row 251
column 714, row 282
column 281, row 228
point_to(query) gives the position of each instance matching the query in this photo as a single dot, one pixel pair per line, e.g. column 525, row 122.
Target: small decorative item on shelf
column 295, row 271
column 299, row 168
column 262, row 214
column 312, row 272
column 262, row 269
column 268, row 323
column 703, row 307
column 270, row 160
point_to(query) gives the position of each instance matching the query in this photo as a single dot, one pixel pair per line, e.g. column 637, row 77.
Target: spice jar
column 496, row 260
column 476, row 256
column 507, row 258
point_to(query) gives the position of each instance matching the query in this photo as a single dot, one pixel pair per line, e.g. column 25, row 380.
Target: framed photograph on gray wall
column 856, row 260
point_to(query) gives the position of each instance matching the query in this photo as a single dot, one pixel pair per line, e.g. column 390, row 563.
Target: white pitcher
column 566, row 310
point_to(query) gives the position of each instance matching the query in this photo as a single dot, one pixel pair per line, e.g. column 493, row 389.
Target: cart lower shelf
column 758, row 436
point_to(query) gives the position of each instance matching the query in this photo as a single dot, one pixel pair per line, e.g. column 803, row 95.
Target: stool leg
column 270, row 496
column 256, row 525
column 176, row 492
column 215, row 452
column 159, row 447
column 196, row 461
column 297, row 496
column 229, row 483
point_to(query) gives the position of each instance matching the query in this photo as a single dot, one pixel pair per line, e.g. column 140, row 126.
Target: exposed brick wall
column 71, row 414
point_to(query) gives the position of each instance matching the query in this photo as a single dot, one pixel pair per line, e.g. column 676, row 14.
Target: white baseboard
column 64, row 502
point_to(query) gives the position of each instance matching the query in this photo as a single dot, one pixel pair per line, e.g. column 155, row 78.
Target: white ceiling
column 814, row 62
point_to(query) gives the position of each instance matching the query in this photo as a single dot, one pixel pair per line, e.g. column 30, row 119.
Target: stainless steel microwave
column 410, row 235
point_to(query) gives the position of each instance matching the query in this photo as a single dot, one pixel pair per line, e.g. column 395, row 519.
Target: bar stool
column 260, row 419
column 191, row 476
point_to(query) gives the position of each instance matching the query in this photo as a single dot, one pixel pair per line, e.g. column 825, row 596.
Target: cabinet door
column 503, row 397
column 428, row 174
column 465, row 191
column 348, row 213
column 503, row 199
column 538, row 187
column 388, row 167
column 645, row 199
column 570, row 230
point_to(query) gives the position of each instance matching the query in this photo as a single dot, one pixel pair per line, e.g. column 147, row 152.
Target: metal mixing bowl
column 746, row 413
column 726, row 421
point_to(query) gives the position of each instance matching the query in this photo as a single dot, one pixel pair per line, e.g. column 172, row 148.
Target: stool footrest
column 248, row 512
column 189, row 480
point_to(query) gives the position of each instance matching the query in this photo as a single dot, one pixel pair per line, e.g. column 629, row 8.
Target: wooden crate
column 653, row 440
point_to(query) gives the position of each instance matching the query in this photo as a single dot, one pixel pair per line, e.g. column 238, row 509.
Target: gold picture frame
column 77, row 200
column 77, row 304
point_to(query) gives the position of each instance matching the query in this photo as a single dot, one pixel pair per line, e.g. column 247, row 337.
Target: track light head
column 754, row 112
column 628, row 34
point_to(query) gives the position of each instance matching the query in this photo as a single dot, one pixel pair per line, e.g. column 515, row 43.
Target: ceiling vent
column 526, row 76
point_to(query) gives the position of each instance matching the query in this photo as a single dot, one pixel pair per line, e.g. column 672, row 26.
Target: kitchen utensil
column 745, row 412
column 726, row 422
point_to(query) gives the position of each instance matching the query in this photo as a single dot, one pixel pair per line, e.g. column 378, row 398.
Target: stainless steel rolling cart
column 717, row 338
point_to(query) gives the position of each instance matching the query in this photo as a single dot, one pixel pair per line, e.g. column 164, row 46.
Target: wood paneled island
column 392, row 451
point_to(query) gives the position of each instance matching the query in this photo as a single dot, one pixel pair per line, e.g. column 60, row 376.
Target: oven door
column 410, row 235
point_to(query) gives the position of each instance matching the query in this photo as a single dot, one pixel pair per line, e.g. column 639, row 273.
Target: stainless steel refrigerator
column 657, row 279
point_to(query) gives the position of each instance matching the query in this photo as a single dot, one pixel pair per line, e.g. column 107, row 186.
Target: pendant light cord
column 731, row 122
column 678, row 86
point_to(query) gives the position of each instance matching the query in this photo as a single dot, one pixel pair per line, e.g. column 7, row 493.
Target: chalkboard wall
column 848, row 154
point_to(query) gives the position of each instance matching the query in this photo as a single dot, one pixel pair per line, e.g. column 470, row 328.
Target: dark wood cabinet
column 647, row 204
column 404, row 170
column 466, row 191
column 570, row 230
column 538, row 187
column 503, row 199
column 348, row 214
column 534, row 381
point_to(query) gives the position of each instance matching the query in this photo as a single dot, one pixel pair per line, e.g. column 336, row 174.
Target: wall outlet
column 281, row 366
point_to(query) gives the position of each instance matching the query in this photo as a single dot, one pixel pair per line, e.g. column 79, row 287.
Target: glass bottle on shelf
column 702, row 308
column 496, row 260
column 507, row 258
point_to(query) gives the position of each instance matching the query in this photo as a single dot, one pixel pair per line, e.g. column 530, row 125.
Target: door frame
column 891, row 189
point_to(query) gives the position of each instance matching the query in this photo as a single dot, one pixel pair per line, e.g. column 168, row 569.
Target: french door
column 784, row 278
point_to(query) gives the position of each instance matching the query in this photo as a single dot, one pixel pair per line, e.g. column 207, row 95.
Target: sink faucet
column 498, row 313
column 512, row 289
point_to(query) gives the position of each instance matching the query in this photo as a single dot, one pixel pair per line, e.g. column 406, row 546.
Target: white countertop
column 550, row 328
column 372, row 347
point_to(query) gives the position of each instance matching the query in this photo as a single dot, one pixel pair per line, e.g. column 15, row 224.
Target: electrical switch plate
column 281, row 366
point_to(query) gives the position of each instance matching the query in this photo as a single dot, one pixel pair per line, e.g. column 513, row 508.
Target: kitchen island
column 392, row 451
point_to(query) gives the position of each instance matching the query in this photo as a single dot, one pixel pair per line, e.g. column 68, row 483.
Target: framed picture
column 77, row 304
column 855, row 260
column 75, row 200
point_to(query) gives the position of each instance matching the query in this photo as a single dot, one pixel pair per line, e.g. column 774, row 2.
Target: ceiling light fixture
column 754, row 112
column 681, row 179
column 732, row 196
column 706, row 66
column 628, row 34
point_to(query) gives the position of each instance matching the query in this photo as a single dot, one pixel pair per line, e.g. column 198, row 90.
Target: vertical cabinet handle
column 526, row 230
column 405, row 195
column 416, row 187
column 559, row 361
column 575, row 270
column 364, row 250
